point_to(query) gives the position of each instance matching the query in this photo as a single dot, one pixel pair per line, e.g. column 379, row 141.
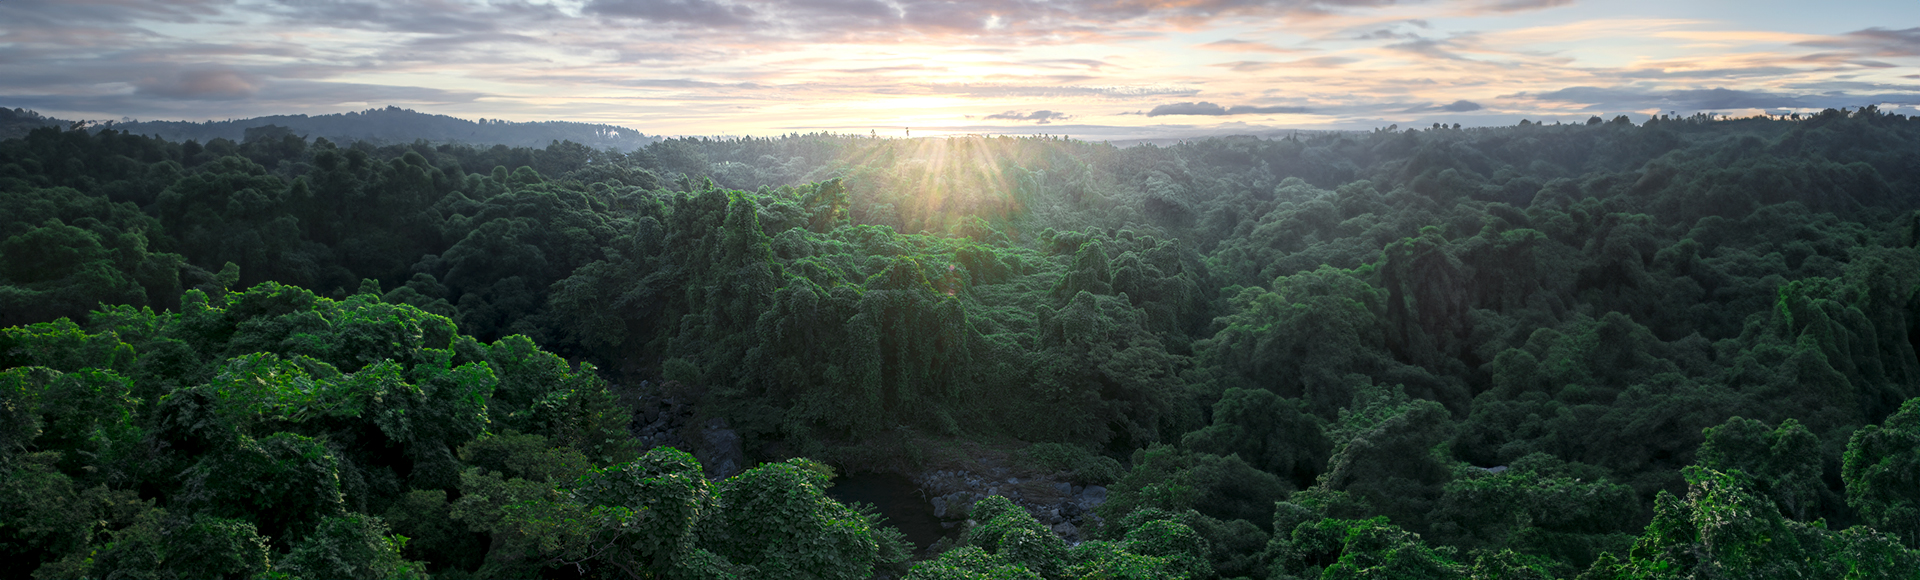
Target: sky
column 1089, row 69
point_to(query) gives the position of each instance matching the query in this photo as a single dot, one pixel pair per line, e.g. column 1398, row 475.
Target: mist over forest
column 391, row 125
column 1676, row 347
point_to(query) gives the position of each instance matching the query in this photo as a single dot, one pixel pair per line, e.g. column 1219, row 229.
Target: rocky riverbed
column 1060, row 505
column 662, row 418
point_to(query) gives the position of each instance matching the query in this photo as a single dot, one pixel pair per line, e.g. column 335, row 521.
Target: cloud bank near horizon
column 764, row 66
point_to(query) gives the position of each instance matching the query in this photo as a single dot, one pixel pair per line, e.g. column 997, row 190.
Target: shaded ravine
column 898, row 499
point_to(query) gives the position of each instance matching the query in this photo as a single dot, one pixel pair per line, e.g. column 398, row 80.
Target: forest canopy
column 1679, row 348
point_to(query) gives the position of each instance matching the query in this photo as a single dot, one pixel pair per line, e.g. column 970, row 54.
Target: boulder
column 1093, row 496
column 719, row 450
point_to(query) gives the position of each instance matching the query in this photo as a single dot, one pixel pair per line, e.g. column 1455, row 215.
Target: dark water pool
column 899, row 500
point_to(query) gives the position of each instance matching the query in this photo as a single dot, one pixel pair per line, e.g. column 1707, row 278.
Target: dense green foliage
column 273, row 432
column 1686, row 348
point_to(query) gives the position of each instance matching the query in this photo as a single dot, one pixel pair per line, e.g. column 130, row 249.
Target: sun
column 938, row 183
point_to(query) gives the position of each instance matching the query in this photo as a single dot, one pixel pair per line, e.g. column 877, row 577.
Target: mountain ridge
column 391, row 125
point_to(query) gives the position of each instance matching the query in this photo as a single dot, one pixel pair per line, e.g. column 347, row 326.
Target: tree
column 351, row 546
column 1882, row 474
column 1723, row 530
column 1783, row 462
column 778, row 519
column 1272, row 434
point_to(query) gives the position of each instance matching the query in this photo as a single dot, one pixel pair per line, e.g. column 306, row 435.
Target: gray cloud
column 1271, row 110
column 209, row 83
column 413, row 17
column 269, row 98
column 1209, row 109
column 1041, row 117
column 1461, row 106
column 1385, row 34
column 66, row 13
column 1427, row 47
column 1200, row 108
column 1831, row 86
column 1521, row 5
column 456, row 41
column 1876, row 41
column 1318, row 62
column 323, row 94
column 1821, row 62
column 1323, row 62
column 1715, row 99
column 699, row 12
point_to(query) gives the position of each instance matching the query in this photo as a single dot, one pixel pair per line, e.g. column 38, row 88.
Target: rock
column 1069, row 509
column 1066, row 530
column 959, row 505
column 940, row 507
column 720, row 450
column 1064, row 488
column 1093, row 496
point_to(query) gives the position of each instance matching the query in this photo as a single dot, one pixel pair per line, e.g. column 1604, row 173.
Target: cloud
column 905, row 68
column 1523, row 5
column 1713, row 73
column 213, row 83
column 1385, row 34
column 1715, row 99
column 1876, row 41
column 1315, row 62
column 1251, row 65
column 1200, row 108
column 413, row 17
column 270, row 97
column 993, row 90
column 1427, row 47
column 1040, row 117
column 1460, row 106
column 1235, row 45
column 1210, row 109
column 69, row 13
column 1057, row 21
column 1069, row 62
column 699, row 12
column 690, row 65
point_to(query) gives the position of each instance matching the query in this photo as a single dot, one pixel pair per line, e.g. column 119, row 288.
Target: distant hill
column 382, row 126
column 17, row 122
